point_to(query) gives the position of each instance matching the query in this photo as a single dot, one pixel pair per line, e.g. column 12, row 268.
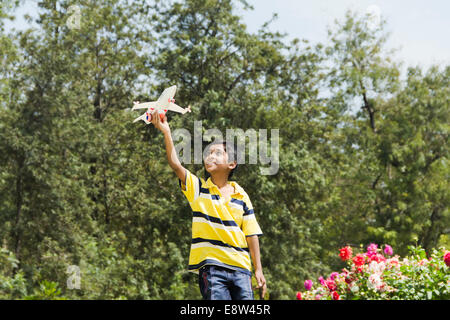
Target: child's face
column 216, row 160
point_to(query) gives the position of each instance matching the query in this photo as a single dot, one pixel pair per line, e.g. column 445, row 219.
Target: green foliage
column 13, row 284
column 363, row 154
column 47, row 291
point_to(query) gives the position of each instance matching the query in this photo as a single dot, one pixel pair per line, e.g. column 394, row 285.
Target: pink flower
column 318, row 297
column 299, row 295
column 333, row 275
column 372, row 249
column 447, row 259
column 322, row 282
column 393, row 261
column 308, row 284
column 345, row 253
column 331, row 285
column 377, row 257
column 388, row 250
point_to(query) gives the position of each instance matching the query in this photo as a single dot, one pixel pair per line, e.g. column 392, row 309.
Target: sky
column 418, row 27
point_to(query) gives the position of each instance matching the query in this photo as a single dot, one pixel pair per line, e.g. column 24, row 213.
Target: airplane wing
column 143, row 118
column 168, row 93
column 174, row 107
column 145, row 105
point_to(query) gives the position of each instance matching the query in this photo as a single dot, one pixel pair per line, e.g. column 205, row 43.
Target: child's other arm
column 253, row 245
column 172, row 157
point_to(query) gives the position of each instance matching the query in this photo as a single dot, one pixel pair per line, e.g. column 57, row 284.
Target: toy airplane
column 162, row 105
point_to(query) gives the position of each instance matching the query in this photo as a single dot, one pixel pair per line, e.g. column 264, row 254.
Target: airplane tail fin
column 188, row 109
column 144, row 118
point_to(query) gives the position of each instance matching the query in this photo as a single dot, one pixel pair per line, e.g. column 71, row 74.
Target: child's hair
column 232, row 154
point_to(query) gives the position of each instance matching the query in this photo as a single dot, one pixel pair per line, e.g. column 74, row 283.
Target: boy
column 224, row 227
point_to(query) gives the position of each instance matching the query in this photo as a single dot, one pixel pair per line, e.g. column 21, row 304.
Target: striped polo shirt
column 219, row 228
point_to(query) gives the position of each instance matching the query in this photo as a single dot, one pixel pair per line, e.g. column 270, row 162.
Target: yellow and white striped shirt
column 219, row 228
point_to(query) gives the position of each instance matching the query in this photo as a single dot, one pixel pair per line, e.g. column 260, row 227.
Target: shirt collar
column 237, row 188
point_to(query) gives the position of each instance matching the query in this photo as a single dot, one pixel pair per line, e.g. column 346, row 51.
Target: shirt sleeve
column 191, row 188
column 250, row 226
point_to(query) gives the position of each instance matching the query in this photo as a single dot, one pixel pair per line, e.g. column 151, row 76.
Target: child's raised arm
column 172, row 157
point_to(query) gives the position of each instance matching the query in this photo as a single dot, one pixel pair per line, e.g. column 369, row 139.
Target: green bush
column 12, row 281
column 47, row 290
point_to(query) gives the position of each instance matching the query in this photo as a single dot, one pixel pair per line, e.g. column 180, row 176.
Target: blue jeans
column 218, row 283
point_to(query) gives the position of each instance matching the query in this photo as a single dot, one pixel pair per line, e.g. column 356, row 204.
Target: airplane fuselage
column 164, row 103
column 166, row 98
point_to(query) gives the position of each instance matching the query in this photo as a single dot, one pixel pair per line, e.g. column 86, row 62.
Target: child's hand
column 161, row 125
column 260, row 283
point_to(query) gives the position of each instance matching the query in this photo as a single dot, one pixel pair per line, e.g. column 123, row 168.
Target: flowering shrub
column 377, row 274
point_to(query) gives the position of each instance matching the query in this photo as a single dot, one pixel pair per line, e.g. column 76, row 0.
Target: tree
column 414, row 147
column 361, row 67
